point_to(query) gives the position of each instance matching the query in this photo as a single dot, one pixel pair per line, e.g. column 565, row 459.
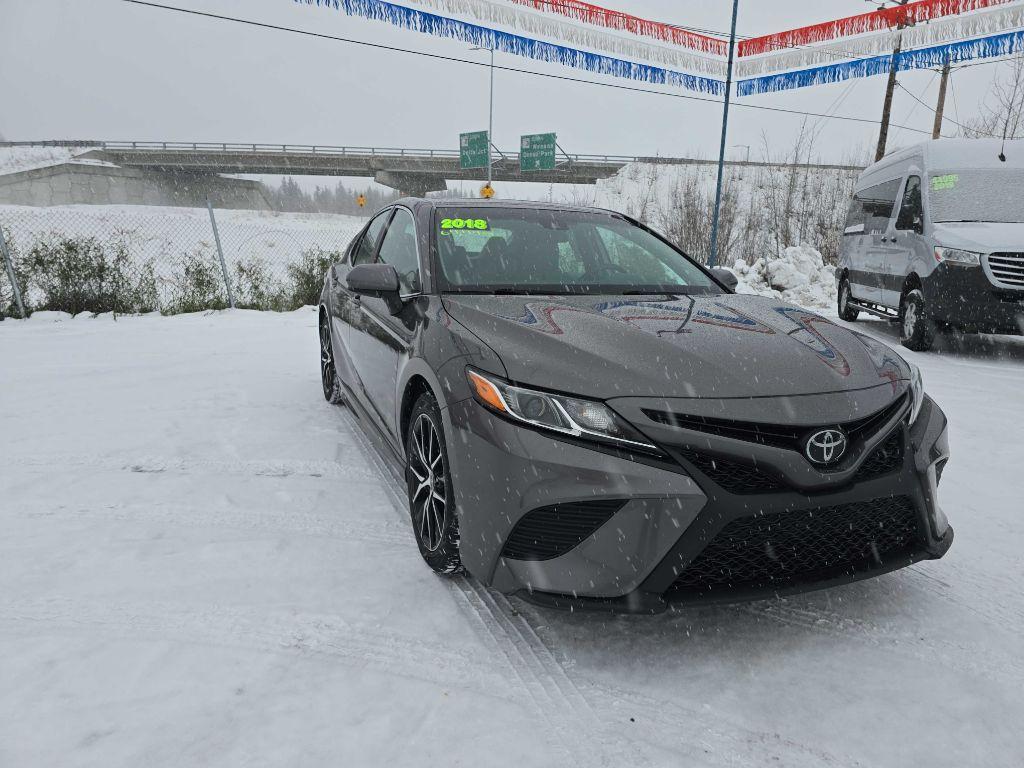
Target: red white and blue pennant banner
column 511, row 42
column 608, row 42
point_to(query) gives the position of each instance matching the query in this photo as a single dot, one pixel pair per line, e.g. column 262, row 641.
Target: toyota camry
column 584, row 415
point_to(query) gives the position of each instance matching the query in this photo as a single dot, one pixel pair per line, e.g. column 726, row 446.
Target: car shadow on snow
column 890, row 606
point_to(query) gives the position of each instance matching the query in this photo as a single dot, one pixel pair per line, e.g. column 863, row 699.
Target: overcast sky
column 106, row 69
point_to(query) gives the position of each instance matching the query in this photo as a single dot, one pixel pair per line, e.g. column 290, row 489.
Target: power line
column 944, row 118
column 550, row 76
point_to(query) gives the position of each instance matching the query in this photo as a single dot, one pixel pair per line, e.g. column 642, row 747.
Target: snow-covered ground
column 200, row 564
column 15, row 159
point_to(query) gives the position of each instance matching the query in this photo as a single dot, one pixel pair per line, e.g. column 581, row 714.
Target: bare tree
column 1002, row 111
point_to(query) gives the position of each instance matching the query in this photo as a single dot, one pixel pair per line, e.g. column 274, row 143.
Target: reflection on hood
column 690, row 346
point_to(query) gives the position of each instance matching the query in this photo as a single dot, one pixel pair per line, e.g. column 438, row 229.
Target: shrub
column 82, row 274
column 307, row 277
column 255, row 287
column 198, row 285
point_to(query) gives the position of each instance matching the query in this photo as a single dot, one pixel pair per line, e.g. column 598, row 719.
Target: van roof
column 947, row 154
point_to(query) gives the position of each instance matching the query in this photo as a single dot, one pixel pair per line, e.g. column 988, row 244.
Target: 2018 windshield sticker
column 945, row 182
column 463, row 224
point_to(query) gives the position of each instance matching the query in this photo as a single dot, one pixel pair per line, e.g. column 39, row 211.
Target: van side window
column 911, row 209
column 877, row 203
column 855, row 218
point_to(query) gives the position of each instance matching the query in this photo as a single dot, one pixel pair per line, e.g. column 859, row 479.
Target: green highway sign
column 537, row 152
column 474, row 150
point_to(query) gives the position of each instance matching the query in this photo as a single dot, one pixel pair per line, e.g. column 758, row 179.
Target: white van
column 935, row 239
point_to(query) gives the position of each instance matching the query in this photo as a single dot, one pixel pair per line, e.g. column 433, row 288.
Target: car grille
column 733, row 476
column 778, row 435
column 886, row 458
column 552, row 531
column 777, row 549
column 1007, row 269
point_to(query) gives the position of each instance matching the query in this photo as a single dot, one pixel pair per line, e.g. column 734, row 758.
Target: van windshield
column 976, row 195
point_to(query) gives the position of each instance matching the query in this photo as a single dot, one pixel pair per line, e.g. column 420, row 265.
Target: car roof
column 455, row 202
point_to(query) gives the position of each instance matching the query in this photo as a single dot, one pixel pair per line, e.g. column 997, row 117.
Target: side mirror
column 377, row 280
column 725, row 277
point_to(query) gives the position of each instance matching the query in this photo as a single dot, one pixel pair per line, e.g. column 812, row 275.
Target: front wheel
column 846, row 310
column 917, row 330
column 328, row 372
column 429, row 482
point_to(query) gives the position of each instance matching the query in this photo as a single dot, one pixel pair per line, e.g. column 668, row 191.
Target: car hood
column 982, row 236
column 699, row 346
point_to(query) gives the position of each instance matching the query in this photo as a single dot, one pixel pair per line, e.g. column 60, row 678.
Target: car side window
column 911, row 209
column 363, row 252
column 399, row 250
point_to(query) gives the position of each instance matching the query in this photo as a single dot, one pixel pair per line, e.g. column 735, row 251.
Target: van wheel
column 846, row 312
column 917, row 329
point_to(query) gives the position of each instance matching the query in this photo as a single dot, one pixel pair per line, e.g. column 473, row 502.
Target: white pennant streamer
column 522, row 20
column 919, row 36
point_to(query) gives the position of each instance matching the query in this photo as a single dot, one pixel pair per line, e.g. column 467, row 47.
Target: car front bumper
column 641, row 558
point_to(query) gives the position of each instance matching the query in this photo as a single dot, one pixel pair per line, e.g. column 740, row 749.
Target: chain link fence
column 138, row 259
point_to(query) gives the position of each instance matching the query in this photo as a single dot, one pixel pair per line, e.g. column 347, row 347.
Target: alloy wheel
column 327, row 373
column 909, row 319
column 429, row 497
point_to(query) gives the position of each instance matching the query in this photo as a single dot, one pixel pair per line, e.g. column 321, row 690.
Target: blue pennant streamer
column 506, row 42
column 980, row 48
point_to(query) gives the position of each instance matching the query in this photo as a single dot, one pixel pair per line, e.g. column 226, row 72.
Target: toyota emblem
column 825, row 446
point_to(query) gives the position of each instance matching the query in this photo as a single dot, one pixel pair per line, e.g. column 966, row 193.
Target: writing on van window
column 947, row 181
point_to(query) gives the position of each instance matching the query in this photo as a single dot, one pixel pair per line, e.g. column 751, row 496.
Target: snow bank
column 798, row 275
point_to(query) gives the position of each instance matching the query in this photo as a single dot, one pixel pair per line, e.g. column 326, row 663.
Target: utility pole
column 883, row 133
column 725, row 126
column 941, row 106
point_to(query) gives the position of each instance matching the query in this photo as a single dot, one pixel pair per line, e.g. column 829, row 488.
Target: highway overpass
column 414, row 171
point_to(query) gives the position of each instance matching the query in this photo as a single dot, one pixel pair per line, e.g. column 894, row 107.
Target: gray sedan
column 587, row 417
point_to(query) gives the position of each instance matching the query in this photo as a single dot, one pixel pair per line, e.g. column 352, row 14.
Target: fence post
column 10, row 273
column 220, row 253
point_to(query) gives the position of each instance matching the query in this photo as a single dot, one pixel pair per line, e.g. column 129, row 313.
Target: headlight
column 558, row 413
column 916, row 392
column 958, row 256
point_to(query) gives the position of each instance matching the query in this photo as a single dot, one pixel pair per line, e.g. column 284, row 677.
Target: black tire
column 917, row 329
column 431, row 496
column 846, row 312
column 328, row 372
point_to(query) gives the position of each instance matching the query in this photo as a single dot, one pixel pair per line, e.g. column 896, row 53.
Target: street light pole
column 725, row 125
column 490, row 122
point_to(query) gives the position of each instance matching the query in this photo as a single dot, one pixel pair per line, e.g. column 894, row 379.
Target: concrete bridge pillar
column 411, row 183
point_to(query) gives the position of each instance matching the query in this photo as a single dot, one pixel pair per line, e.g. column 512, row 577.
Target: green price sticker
column 944, row 182
column 463, row 224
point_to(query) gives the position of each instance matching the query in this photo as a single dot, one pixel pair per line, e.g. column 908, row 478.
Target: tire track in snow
column 583, row 723
column 279, row 468
column 302, row 634
column 370, row 528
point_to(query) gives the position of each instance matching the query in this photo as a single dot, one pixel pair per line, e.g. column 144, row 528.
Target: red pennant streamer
column 887, row 18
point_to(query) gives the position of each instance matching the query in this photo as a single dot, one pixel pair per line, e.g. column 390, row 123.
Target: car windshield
column 550, row 251
column 976, row 195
